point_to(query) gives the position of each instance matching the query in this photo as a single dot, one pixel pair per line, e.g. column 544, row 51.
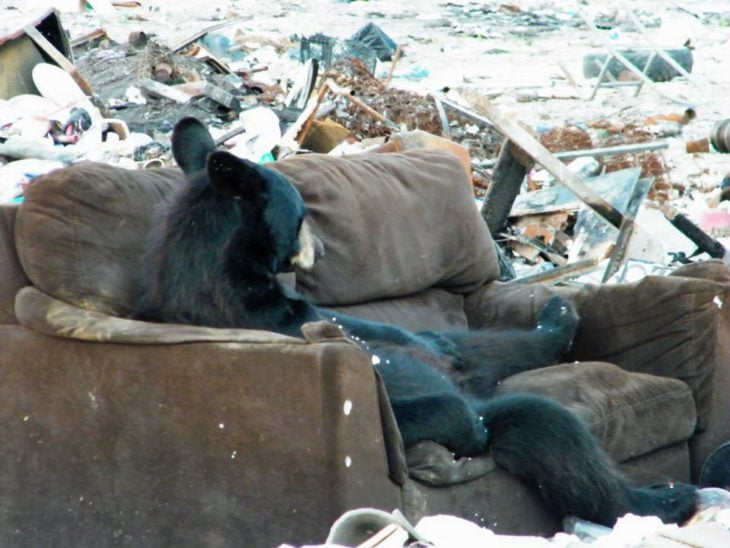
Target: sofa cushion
column 392, row 225
column 80, row 232
column 429, row 309
column 627, row 412
column 44, row 314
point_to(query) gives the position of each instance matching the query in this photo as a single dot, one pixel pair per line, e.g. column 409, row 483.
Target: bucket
column 720, row 136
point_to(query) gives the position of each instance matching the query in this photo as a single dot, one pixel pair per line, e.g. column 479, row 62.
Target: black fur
column 235, row 225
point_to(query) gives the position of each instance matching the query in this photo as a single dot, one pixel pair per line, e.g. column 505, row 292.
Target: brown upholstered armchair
column 116, row 431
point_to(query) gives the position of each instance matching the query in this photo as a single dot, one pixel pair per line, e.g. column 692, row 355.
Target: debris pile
column 561, row 199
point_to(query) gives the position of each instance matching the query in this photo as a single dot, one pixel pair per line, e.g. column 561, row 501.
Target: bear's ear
column 191, row 144
column 233, row 176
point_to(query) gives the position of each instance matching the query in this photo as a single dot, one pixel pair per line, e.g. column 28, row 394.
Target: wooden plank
column 466, row 112
column 158, row 89
column 619, row 254
column 198, row 35
column 59, row 58
column 390, row 536
column 507, row 179
column 518, row 135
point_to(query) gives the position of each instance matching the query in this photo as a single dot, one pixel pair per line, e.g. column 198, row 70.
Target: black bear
column 234, row 225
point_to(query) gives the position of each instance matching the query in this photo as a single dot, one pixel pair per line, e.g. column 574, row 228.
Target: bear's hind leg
column 487, row 356
column 673, row 502
column 543, row 442
column 558, row 322
column 444, row 418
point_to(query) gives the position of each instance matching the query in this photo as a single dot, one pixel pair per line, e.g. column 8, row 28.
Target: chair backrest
column 392, row 224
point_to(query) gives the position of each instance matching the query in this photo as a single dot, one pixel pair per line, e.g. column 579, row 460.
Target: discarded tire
column 658, row 71
column 720, row 136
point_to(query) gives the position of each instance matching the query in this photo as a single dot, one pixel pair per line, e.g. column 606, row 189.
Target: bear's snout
column 311, row 248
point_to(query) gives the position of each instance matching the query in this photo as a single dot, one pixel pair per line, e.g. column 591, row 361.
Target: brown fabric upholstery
column 12, row 277
column 430, row 309
column 629, row 413
column 666, row 326
column 713, row 269
column 198, row 444
column 81, row 230
column 433, row 464
column 389, row 223
column 111, row 428
column 501, row 304
column 44, row 314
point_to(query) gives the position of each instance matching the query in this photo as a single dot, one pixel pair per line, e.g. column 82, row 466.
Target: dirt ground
column 526, row 55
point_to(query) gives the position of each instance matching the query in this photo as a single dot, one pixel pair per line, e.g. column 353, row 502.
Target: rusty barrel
column 720, row 136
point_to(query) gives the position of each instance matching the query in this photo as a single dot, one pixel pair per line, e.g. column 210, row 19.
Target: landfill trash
column 720, row 136
column 369, row 527
column 371, row 36
column 16, row 175
column 236, row 79
column 657, row 69
column 261, row 134
column 259, row 91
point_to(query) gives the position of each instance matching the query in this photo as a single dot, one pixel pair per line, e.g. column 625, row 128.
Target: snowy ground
column 457, row 42
column 451, row 43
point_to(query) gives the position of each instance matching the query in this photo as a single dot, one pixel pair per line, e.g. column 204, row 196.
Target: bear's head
column 270, row 209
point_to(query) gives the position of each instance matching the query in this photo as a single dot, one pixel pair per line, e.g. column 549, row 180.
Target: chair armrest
column 663, row 325
column 264, row 441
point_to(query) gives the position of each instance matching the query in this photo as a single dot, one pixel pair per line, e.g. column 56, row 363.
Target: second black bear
column 235, row 225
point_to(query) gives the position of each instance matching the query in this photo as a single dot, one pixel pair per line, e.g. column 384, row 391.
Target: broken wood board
column 558, row 274
column 522, row 138
column 507, row 177
column 390, row 536
column 19, row 53
column 157, row 89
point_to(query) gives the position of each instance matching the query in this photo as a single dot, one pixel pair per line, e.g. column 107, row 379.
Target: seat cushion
column 392, row 225
column 628, row 412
